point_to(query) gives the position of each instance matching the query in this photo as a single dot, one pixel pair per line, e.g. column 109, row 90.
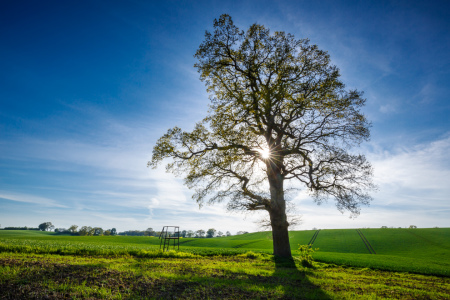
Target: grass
column 44, row 265
column 428, row 243
column 233, row 277
column 422, row 251
column 386, row 262
column 340, row 240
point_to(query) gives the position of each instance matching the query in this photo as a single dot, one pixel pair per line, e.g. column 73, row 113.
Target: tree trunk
column 280, row 234
column 277, row 212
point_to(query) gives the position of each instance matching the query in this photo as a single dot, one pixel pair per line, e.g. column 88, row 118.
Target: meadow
column 409, row 264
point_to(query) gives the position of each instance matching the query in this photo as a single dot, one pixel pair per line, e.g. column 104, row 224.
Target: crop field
column 408, row 264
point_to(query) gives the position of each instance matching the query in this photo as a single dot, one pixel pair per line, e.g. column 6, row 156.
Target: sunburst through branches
column 265, row 153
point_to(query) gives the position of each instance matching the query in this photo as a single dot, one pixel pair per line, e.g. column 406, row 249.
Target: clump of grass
column 253, row 255
column 305, row 255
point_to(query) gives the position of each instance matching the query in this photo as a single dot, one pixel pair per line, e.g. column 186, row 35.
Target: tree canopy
column 279, row 113
column 46, row 226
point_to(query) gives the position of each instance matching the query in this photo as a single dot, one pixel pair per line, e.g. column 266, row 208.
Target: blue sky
column 87, row 87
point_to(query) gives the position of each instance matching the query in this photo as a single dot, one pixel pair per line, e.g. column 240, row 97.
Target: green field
column 409, row 264
column 423, row 251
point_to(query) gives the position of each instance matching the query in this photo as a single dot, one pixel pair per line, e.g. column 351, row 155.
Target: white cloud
column 414, row 189
column 425, row 166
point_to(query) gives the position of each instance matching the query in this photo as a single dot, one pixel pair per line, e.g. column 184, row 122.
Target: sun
column 265, row 153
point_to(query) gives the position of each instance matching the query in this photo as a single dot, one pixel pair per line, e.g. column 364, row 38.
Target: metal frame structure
column 167, row 234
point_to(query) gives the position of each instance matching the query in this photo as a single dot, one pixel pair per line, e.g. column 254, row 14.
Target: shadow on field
column 44, row 279
column 296, row 284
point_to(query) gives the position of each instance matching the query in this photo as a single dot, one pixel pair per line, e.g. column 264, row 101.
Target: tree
column 113, row 231
column 211, row 233
column 73, row 228
column 183, row 233
column 200, row 233
column 219, row 234
column 97, row 231
column 228, row 233
column 149, row 232
column 46, row 226
column 189, row 233
column 280, row 120
column 84, row 230
column 91, row 231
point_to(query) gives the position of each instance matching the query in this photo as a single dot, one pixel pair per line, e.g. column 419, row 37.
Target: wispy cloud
column 41, row 201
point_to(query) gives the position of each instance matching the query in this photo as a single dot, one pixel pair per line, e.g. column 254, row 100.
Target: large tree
column 279, row 114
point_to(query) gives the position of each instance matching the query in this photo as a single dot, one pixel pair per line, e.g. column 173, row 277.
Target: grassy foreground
column 246, row 276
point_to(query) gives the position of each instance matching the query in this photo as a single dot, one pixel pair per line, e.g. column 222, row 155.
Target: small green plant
column 305, row 255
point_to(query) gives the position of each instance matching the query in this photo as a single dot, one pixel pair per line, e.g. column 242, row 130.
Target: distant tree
column 190, row 233
column 47, row 226
column 280, row 118
column 211, row 233
column 84, row 230
column 220, row 233
column 228, row 233
column 183, row 233
column 73, row 228
column 149, row 232
column 107, row 232
column 113, row 231
column 97, row 231
column 91, row 231
column 412, row 226
column 241, row 232
column 200, row 233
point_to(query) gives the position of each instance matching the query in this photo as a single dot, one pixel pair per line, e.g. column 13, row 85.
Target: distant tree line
column 20, row 228
column 147, row 232
column 97, row 231
column 210, row 233
column 86, row 231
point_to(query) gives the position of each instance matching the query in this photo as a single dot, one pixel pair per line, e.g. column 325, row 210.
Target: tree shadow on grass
column 44, row 280
column 295, row 282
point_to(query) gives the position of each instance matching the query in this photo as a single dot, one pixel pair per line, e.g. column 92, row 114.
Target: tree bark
column 280, row 235
column 278, row 218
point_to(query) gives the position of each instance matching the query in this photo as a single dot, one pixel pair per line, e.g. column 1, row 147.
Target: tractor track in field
column 313, row 239
column 366, row 242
